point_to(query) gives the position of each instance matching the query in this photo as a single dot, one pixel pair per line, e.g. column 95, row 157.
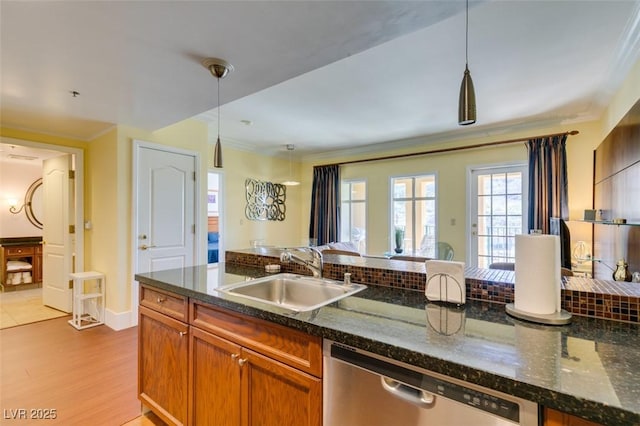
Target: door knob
column 145, row 247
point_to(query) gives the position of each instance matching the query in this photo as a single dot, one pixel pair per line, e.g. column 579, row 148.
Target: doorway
column 497, row 212
column 166, row 229
column 214, row 236
column 24, row 161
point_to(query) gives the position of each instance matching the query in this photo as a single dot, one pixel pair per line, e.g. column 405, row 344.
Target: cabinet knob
column 161, row 299
column 235, row 356
column 242, row 361
column 182, row 333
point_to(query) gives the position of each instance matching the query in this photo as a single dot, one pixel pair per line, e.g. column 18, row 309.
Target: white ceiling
column 323, row 75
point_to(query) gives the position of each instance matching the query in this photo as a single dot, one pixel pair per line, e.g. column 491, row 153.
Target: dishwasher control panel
column 420, row 381
column 480, row 400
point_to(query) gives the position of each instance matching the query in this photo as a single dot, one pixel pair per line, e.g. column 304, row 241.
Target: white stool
column 88, row 305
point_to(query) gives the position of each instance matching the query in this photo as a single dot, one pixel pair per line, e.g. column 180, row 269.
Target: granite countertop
column 588, row 368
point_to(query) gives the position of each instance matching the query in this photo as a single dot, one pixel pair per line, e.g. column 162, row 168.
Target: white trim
column 78, row 154
column 199, row 248
column 119, row 320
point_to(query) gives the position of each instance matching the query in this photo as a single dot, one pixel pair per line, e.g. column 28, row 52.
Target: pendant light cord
column 466, row 43
column 218, row 108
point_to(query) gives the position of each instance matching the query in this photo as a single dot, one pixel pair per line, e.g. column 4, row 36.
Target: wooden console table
column 23, row 249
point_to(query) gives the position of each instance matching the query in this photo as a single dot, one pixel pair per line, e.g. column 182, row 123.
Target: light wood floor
column 87, row 376
column 149, row 419
column 24, row 307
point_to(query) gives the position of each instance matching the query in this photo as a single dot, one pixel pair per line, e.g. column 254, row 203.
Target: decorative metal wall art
column 32, row 204
column 265, row 200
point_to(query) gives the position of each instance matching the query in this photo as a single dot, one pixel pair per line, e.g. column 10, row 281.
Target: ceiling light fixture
column 290, row 181
column 219, row 69
column 467, row 103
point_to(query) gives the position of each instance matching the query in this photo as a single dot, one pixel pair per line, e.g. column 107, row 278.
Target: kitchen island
column 587, row 368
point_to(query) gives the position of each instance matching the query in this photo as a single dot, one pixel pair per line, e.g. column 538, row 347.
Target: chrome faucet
column 315, row 264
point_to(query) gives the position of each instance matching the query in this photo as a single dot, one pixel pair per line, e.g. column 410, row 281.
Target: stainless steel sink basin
column 295, row 292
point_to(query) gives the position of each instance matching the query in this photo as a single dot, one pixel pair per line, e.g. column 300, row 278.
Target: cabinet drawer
column 17, row 251
column 168, row 303
column 292, row 347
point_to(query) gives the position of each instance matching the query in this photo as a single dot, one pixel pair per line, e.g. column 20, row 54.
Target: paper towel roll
column 537, row 274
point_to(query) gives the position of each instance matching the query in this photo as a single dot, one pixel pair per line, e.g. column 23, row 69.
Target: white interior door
column 58, row 241
column 165, row 209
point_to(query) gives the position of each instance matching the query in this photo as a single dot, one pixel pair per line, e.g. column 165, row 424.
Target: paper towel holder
column 443, row 278
column 557, row 318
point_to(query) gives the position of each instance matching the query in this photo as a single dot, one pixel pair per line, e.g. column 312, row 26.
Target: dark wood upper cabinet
column 616, row 191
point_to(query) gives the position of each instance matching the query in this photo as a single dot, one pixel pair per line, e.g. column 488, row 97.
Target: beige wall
column 237, row 230
column 101, row 205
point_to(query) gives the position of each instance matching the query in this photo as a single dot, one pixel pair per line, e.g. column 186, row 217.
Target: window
column 353, row 218
column 414, row 211
column 500, row 211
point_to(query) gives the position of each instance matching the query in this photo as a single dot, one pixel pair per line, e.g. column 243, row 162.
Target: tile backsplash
column 580, row 296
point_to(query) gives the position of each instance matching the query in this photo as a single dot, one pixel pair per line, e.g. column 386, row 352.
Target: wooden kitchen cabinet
column 214, row 380
column 558, row 418
column 163, row 365
column 274, row 394
column 232, row 385
column 224, row 368
column 265, row 374
column 166, row 303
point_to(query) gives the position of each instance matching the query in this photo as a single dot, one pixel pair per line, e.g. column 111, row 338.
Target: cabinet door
column 163, row 349
column 557, row 418
column 274, row 394
column 214, row 380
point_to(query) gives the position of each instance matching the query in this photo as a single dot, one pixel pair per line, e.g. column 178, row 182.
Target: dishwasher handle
column 419, row 397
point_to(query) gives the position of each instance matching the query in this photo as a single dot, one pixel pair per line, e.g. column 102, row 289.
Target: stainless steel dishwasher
column 365, row 389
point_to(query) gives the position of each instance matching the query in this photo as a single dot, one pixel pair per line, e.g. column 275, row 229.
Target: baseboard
column 118, row 320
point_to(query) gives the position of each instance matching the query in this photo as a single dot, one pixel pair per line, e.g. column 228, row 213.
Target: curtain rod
column 457, row 148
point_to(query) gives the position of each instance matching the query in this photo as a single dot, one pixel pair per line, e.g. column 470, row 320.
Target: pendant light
column 219, row 69
column 467, row 103
column 290, row 181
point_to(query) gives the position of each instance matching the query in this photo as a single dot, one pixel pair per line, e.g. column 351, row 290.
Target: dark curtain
column 547, row 181
column 325, row 203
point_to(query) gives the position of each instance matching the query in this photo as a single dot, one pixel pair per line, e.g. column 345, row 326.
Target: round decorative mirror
column 33, row 203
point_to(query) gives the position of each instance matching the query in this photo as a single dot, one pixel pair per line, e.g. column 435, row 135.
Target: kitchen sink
column 291, row 291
